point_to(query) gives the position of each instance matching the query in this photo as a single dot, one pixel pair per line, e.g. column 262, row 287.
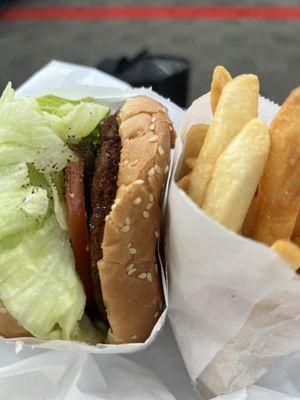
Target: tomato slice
column 74, row 182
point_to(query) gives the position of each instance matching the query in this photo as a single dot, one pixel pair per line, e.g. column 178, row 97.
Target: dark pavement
column 267, row 48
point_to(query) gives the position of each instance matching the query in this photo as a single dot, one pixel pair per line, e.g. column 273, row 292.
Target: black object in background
column 166, row 75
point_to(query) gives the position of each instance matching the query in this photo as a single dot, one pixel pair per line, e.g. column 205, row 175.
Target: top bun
column 130, row 280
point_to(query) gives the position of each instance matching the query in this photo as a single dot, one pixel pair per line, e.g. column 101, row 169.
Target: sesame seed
column 132, row 271
column 127, row 221
column 153, row 119
column 160, row 150
column 117, row 201
column 139, row 182
column 125, row 162
column 152, row 127
column 135, row 162
column 129, row 245
column 156, row 314
column 132, row 250
column 113, row 206
column 149, row 206
column 149, row 276
column 125, row 229
column 171, row 128
column 129, row 266
column 151, row 197
column 143, row 275
column 157, row 168
column 156, row 234
column 107, row 218
column 145, row 214
column 133, row 337
column 166, row 169
column 151, row 171
column 153, row 139
column 137, row 201
column 72, row 195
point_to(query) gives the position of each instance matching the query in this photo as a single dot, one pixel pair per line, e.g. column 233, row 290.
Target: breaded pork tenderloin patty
column 130, row 281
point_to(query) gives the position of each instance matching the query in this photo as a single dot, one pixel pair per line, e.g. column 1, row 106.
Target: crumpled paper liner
column 233, row 302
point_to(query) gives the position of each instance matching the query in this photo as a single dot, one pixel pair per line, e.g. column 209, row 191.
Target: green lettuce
column 55, row 105
column 38, row 282
column 71, row 119
column 39, row 285
column 21, row 205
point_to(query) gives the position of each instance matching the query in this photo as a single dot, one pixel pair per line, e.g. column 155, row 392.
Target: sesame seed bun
column 130, row 281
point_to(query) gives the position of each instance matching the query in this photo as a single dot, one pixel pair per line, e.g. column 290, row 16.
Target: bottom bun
column 10, row 327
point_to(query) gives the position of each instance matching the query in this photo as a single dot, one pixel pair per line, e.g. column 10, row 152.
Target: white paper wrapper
column 68, row 376
column 156, row 373
column 234, row 304
column 77, row 82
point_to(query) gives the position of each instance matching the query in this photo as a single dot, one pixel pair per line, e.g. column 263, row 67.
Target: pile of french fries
column 243, row 173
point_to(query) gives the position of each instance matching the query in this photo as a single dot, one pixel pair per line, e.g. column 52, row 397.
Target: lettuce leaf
column 54, row 104
column 79, row 121
column 38, row 283
column 56, row 182
column 21, row 205
column 24, row 131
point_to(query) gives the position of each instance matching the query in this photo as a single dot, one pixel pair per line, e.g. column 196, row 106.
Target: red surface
column 151, row 12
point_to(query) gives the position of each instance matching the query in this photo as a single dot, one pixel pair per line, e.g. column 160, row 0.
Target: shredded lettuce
column 54, row 104
column 39, row 285
column 21, row 205
column 78, row 122
column 55, row 182
column 8, row 94
column 38, row 282
column 26, row 131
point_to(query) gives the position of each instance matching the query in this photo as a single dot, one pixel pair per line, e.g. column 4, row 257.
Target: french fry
column 220, row 78
column 296, row 231
column 193, row 143
column 279, row 190
column 183, row 182
column 237, row 106
column 237, row 174
column 296, row 240
column 190, row 162
column 289, row 251
column 250, row 220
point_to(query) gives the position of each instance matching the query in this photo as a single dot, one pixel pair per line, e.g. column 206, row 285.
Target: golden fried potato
column 289, row 251
column 279, row 190
column 296, row 240
column 190, row 162
column 296, row 231
column 220, row 78
column 183, row 182
column 237, row 106
column 193, row 143
column 250, row 219
column 236, row 175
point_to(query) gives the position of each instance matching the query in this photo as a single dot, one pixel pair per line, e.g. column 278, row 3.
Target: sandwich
column 80, row 200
